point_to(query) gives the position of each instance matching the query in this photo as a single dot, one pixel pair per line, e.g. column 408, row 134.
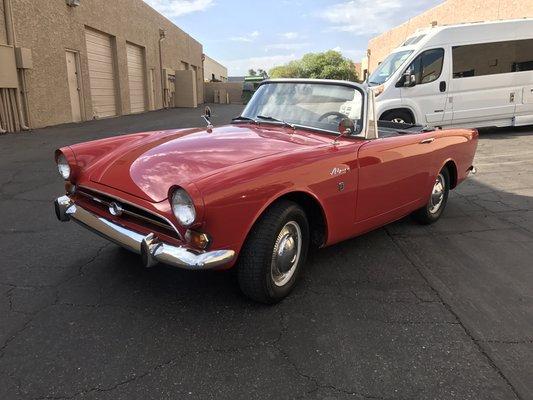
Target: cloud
column 290, row 35
column 241, row 66
column 176, row 8
column 363, row 17
column 354, row 55
column 247, row 38
column 286, row 46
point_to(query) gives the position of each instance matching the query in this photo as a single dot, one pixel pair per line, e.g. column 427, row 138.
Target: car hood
column 149, row 164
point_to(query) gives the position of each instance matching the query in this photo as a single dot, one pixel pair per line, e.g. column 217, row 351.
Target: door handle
column 428, row 140
column 442, row 86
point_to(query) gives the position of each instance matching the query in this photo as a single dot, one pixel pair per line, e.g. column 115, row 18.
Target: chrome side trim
column 80, row 190
column 150, row 247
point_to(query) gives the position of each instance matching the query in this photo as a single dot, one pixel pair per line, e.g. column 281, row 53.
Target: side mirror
column 346, row 127
column 408, row 79
column 207, row 113
column 207, row 118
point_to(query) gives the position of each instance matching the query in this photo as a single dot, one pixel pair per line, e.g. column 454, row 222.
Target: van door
column 483, row 87
column 522, row 68
column 430, row 89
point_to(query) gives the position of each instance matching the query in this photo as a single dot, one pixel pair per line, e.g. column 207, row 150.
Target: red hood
column 149, row 164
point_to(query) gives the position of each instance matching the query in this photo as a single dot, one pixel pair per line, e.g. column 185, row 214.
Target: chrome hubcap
column 437, row 195
column 286, row 253
column 398, row 120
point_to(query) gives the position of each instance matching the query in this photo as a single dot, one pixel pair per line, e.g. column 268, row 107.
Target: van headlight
column 63, row 167
column 183, row 207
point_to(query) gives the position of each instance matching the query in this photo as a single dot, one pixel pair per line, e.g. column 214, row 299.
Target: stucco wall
column 50, row 27
column 212, row 67
column 234, row 89
column 449, row 12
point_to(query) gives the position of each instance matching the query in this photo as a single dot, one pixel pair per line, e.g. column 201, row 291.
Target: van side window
column 427, row 67
column 492, row 58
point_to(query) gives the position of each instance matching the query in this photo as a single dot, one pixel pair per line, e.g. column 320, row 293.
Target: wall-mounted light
column 73, row 3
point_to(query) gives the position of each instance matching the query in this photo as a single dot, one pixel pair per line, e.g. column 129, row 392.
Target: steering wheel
column 332, row 113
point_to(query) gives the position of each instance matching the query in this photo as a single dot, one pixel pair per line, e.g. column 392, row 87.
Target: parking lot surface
column 404, row 312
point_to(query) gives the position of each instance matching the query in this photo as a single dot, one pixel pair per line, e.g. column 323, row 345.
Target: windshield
column 388, row 67
column 312, row 105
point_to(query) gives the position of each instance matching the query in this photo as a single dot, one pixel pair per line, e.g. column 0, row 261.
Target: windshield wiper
column 246, row 119
column 276, row 120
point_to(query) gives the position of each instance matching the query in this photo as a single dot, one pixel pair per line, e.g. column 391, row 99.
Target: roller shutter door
column 101, row 74
column 136, row 78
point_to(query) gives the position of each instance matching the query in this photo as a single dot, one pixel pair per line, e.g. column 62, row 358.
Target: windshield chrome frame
column 361, row 88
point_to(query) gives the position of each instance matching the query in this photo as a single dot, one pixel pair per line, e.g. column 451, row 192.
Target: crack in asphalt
column 496, row 341
column 318, row 384
column 150, row 371
column 477, row 343
column 498, row 213
column 35, row 313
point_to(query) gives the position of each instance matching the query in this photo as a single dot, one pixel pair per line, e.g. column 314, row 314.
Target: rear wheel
column 434, row 208
column 274, row 253
column 398, row 116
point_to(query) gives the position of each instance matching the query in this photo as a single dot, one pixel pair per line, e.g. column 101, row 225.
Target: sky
column 252, row 34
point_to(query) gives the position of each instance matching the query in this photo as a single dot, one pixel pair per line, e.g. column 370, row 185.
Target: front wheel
column 434, row 208
column 398, row 116
column 274, row 253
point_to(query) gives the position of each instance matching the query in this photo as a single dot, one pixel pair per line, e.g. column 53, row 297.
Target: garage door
column 101, row 73
column 136, row 78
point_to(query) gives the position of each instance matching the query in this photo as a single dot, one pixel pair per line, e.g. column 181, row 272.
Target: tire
column 283, row 226
column 398, row 116
column 435, row 206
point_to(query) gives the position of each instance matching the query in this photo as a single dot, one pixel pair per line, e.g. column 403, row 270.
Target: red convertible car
column 306, row 164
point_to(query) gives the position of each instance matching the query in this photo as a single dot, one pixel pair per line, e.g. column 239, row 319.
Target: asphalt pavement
column 404, row 312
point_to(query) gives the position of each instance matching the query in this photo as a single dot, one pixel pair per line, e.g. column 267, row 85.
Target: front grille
column 128, row 212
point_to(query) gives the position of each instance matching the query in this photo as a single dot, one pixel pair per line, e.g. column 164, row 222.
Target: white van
column 469, row 75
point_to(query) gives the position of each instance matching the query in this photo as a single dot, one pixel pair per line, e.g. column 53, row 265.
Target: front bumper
column 151, row 249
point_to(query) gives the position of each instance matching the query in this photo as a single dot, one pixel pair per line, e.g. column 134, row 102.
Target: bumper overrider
column 151, row 249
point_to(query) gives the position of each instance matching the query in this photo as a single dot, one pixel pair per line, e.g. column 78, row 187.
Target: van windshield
column 388, row 67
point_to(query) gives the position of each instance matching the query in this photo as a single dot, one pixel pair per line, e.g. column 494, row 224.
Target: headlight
column 63, row 167
column 183, row 207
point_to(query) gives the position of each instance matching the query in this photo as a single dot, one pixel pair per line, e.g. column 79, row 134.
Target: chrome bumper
column 151, row 249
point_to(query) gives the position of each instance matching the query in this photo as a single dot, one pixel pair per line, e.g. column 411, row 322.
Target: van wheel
column 434, row 208
column 398, row 116
column 274, row 253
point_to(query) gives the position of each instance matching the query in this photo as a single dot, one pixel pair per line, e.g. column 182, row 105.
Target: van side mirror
column 408, row 79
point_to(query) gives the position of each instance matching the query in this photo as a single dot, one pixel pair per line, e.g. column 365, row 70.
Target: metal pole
column 161, row 38
column 12, row 41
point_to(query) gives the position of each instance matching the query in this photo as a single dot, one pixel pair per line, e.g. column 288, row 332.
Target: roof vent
column 73, row 3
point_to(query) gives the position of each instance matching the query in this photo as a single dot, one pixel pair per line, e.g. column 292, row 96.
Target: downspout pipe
column 161, row 38
column 10, row 31
column 12, row 41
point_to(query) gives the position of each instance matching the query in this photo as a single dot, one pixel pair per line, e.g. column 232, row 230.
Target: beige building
column 214, row 71
column 449, row 12
column 75, row 60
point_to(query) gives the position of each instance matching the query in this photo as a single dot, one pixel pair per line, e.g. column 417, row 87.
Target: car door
column 394, row 175
column 429, row 93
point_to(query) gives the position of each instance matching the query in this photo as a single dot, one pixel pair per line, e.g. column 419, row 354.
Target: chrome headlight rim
column 63, row 167
column 183, row 207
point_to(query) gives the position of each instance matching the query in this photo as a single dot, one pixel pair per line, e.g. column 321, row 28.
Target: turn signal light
column 197, row 239
column 70, row 188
